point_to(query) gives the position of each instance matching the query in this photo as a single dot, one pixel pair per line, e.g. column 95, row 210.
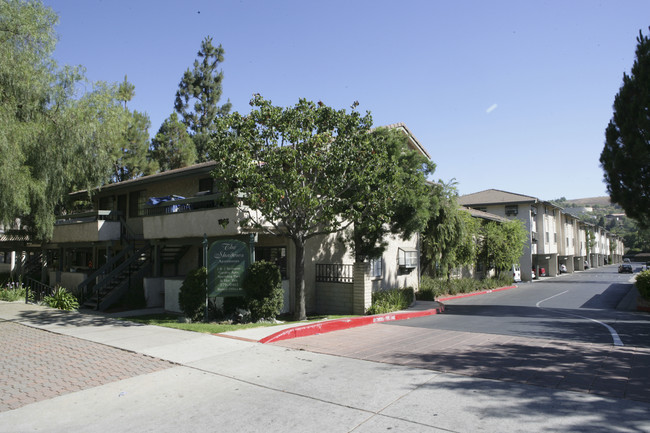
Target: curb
column 483, row 292
column 339, row 324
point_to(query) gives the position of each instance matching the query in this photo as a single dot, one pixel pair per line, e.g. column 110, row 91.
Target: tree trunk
column 300, row 310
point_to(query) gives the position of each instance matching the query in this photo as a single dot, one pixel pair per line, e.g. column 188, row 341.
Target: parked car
column 625, row 268
column 516, row 273
column 626, row 260
column 533, row 274
column 563, row 269
column 542, row 272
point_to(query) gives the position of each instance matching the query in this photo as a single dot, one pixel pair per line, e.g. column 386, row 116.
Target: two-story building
column 149, row 232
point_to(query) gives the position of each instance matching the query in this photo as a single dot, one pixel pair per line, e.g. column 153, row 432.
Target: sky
column 513, row 95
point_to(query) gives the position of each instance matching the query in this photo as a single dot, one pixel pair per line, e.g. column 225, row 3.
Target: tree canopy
column 502, row 243
column 625, row 157
column 305, row 170
column 198, row 96
column 53, row 138
column 172, row 146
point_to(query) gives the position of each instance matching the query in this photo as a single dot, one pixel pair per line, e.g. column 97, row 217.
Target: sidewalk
column 66, row 371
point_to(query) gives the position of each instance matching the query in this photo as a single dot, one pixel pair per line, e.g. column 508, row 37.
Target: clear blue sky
column 513, row 95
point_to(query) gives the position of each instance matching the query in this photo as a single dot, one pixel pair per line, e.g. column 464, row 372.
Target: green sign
column 228, row 262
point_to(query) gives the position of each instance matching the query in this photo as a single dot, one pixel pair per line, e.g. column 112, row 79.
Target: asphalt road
column 578, row 307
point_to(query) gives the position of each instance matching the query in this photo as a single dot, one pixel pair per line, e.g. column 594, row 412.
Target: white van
column 516, row 273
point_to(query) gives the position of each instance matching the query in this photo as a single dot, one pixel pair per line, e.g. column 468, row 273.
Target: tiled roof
column 494, row 196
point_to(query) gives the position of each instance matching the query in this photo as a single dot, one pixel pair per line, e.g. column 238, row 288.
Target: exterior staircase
column 108, row 284
column 112, row 281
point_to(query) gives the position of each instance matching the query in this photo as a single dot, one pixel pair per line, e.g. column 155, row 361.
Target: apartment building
column 556, row 239
column 151, row 231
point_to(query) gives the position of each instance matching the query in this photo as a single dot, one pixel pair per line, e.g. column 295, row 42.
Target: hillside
column 591, row 201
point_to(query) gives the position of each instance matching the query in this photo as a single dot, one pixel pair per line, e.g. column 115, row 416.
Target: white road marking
column 612, row 331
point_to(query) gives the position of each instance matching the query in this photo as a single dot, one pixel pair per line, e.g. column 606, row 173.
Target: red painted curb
column 483, row 292
column 339, row 324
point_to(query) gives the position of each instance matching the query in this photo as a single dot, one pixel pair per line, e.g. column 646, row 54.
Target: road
column 578, row 307
column 562, row 333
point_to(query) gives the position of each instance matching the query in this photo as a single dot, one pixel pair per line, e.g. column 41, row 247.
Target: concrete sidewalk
column 103, row 374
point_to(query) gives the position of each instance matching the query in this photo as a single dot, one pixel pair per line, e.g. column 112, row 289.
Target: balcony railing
column 336, row 273
column 85, row 217
column 176, row 204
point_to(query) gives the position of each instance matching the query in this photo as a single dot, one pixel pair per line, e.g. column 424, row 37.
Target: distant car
column 625, row 268
column 516, row 273
column 563, row 269
column 542, row 272
column 533, row 274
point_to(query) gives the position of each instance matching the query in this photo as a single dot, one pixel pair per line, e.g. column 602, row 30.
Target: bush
column 62, row 299
column 12, row 291
column 432, row 288
column 191, row 298
column 263, row 290
column 386, row 301
column 643, row 284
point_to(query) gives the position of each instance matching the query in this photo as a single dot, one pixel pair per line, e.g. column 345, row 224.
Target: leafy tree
column 52, row 140
column 406, row 212
column 199, row 93
column 625, row 158
column 305, row 171
column 502, row 243
column 450, row 235
column 172, row 146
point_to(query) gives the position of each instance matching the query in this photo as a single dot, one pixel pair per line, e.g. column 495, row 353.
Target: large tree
column 172, row 146
column 198, row 96
column 52, row 140
column 406, row 211
column 449, row 239
column 131, row 151
column 626, row 155
column 502, row 243
column 306, row 170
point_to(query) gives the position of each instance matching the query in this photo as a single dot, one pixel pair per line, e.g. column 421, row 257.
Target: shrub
column 386, row 301
column 643, row 284
column 12, row 291
column 62, row 299
column 263, row 290
column 432, row 288
column 191, row 298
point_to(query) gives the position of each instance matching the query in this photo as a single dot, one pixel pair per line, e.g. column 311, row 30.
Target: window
column 205, row 184
column 547, row 237
column 376, row 268
column 512, row 210
column 407, row 258
column 555, row 238
column 136, row 204
column 277, row 255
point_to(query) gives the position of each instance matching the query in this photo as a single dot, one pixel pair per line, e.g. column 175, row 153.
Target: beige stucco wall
column 93, row 231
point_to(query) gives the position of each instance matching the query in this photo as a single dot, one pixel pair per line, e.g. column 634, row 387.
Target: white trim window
column 376, row 268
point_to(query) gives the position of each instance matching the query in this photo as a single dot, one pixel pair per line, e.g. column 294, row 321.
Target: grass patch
column 172, row 321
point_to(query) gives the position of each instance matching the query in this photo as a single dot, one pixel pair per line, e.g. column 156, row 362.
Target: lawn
column 171, row 321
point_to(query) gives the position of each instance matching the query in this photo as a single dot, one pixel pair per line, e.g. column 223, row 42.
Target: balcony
column 178, row 217
column 94, row 226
